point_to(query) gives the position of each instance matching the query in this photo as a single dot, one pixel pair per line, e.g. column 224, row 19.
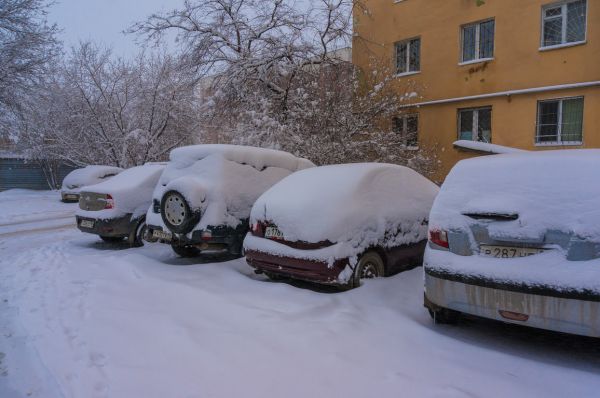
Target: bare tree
column 100, row 109
column 277, row 80
column 27, row 45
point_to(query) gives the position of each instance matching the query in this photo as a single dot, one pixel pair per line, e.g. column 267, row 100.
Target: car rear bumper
column 557, row 312
column 308, row 270
column 114, row 227
column 222, row 239
column 69, row 197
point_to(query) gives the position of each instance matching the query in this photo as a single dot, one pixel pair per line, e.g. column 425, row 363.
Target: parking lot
column 84, row 318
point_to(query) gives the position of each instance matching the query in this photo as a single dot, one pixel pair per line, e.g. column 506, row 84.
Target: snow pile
column 223, row 181
column 131, row 191
column 355, row 206
column 259, row 158
column 88, row 175
column 551, row 190
column 485, row 147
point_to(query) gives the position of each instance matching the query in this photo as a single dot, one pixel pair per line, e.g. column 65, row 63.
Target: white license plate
column 158, row 234
column 273, row 233
column 508, row 251
column 86, row 224
column 71, row 197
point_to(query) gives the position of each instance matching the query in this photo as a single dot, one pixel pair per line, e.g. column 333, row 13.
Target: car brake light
column 110, row 202
column 257, row 229
column 206, row 235
column 439, row 237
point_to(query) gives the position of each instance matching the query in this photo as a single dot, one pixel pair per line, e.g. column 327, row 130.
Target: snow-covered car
column 339, row 224
column 203, row 199
column 88, row 175
column 116, row 209
column 516, row 238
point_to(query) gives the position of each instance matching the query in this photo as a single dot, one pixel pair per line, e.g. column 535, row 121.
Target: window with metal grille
column 408, row 128
column 478, row 41
column 408, row 56
column 560, row 121
column 564, row 23
column 475, row 124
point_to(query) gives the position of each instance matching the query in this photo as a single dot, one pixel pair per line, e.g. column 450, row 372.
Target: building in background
column 517, row 73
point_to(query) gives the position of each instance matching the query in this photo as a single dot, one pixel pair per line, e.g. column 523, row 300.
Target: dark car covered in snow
column 80, row 178
column 516, row 238
column 340, row 224
column 202, row 202
column 116, row 209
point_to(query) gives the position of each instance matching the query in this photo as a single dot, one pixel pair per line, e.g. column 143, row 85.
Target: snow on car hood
column 88, row 175
column 356, row 203
column 131, row 190
column 550, row 190
column 223, row 181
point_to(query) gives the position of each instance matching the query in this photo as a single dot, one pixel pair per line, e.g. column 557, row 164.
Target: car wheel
column 136, row 237
column 186, row 251
column 369, row 266
column 112, row 239
column 444, row 316
column 177, row 214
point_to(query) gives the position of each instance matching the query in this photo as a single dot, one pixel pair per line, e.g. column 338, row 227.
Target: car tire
column 136, row 237
column 444, row 316
column 177, row 214
column 370, row 265
column 111, row 239
column 186, row 251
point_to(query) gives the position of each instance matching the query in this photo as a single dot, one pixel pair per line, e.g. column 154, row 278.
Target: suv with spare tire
column 202, row 202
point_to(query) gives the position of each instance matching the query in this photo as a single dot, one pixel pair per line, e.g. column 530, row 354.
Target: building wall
column 518, row 63
column 19, row 173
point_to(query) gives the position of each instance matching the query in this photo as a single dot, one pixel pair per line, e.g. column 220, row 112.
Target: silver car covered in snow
column 516, row 238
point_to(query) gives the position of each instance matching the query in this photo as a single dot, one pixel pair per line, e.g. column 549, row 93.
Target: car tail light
column 206, row 235
column 110, row 202
column 257, row 229
column 156, row 206
column 439, row 237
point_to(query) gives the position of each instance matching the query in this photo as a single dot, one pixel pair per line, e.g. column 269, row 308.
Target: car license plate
column 71, row 197
column 273, row 233
column 508, row 251
column 158, row 234
column 86, row 224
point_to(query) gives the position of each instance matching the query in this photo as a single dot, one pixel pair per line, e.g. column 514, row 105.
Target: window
column 478, row 41
column 408, row 56
column 475, row 124
column 560, row 121
column 564, row 23
column 407, row 126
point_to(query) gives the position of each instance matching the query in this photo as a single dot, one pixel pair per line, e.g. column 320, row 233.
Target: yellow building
column 518, row 73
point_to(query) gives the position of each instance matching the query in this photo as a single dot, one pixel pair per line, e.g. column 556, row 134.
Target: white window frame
column 563, row 15
column 559, row 140
column 475, row 111
column 407, row 43
column 477, row 42
column 404, row 118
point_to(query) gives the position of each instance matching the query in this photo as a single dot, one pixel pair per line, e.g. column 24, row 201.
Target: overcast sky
column 104, row 20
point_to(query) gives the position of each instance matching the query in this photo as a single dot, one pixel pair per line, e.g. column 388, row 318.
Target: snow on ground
column 82, row 318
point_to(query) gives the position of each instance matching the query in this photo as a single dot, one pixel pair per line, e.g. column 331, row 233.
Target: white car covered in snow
column 203, row 199
column 339, row 224
column 516, row 238
column 89, row 175
column 116, row 209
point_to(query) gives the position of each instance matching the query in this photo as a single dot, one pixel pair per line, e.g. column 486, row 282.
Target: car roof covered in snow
column 89, row 175
column 350, row 202
column 548, row 190
column 258, row 158
column 130, row 179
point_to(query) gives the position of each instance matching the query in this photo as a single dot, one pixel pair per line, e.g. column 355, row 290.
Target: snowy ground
column 81, row 318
